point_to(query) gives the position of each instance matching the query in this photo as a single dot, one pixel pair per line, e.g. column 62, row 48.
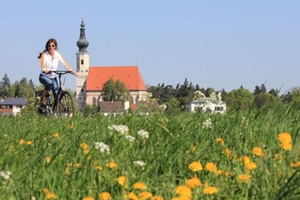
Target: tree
column 115, row 91
column 5, row 86
column 240, row 99
column 264, row 99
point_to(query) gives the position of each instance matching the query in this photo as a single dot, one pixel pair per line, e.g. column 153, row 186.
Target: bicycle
column 61, row 105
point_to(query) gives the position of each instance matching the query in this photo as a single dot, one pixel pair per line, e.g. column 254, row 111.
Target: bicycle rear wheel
column 66, row 105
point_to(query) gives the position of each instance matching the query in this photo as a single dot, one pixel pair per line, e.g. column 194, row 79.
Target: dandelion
column 88, row 198
column 285, row 137
column 101, row 147
column 210, row 190
column 245, row 159
column 122, row 181
column 143, row 134
column 99, row 168
column 157, row 198
column 245, row 178
column 228, row 153
column 29, row 143
column 145, row 195
column 86, row 151
column 140, row 163
column 286, row 146
column 48, row 159
column 132, row 196
column 184, row 191
column 130, row 138
column 112, row 165
column 295, row 164
column 77, row 165
column 105, row 196
column 119, row 128
column 210, row 166
column 49, row 195
column 55, row 135
column 195, row 166
column 220, row 140
column 251, row 165
column 193, row 182
column 139, row 186
column 84, row 145
column 22, row 141
column 257, row 151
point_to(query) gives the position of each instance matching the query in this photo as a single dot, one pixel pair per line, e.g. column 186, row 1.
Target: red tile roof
column 130, row 75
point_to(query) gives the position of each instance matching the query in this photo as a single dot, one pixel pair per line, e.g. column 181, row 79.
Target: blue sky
column 219, row 44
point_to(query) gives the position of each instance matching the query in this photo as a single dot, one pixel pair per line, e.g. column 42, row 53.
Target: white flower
column 101, row 147
column 5, row 175
column 143, row 133
column 207, row 123
column 140, row 163
column 130, row 138
column 119, row 128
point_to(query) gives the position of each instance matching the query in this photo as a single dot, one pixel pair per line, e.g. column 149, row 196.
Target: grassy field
column 240, row 155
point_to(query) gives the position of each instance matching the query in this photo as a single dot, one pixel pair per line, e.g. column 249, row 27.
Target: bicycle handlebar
column 61, row 72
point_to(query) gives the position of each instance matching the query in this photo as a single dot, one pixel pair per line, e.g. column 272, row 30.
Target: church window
column 82, row 61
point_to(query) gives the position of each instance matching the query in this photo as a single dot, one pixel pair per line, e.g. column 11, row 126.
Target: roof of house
column 130, row 75
column 111, row 106
column 13, row 101
column 207, row 99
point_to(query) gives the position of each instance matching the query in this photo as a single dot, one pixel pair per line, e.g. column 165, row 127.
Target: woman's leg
column 47, row 82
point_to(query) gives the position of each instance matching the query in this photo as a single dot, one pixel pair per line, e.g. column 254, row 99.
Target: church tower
column 82, row 67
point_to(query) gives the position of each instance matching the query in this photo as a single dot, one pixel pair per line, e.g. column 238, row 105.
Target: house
column 210, row 104
column 12, row 106
column 113, row 107
column 90, row 79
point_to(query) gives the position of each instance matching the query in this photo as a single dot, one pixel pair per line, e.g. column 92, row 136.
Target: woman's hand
column 46, row 71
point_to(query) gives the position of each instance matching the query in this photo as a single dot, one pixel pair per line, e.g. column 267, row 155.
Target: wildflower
column 245, row 178
column 122, row 181
column 207, row 123
column 84, row 145
column 257, row 151
column 48, row 159
column 49, row 195
column 5, row 175
column 193, row 149
column 195, row 166
column 210, row 190
column 105, row 196
column 140, row 163
column 295, row 164
column 210, row 166
column 99, row 168
column 130, row 138
column 251, row 165
column 285, row 137
column 145, row 195
column 228, row 153
column 55, row 135
column 102, row 147
column 112, row 165
column 220, row 140
column 218, row 172
column 193, row 182
column 22, row 141
column 286, row 146
column 88, row 198
column 157, row 198
column 29, row 143
column 143, row 134
column 184, row 191
column 132, row 196
column 78, row 165
column 139, row 186
column 245, row 159
column 119, row 128
column 86, row 151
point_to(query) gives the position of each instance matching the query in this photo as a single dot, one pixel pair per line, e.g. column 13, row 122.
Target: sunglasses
column 51, row 45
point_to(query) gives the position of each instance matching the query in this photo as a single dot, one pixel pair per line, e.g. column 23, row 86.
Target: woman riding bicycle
column 50, row 58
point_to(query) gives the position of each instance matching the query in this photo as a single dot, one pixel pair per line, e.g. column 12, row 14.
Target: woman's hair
column 51, row 40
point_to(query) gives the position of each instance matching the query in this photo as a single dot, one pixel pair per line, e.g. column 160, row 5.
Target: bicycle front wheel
column 66, row 105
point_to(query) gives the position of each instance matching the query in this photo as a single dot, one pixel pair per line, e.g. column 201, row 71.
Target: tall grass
column 46, row 155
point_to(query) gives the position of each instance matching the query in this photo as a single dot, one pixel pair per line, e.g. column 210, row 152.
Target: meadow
column 253, row 154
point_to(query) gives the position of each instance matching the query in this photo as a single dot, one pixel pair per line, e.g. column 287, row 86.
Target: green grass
column 72, row 174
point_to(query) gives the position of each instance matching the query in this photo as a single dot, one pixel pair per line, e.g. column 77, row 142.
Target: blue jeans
column 49, row 83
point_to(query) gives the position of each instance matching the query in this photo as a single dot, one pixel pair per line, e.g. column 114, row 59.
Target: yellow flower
column 48, row 159
column 193, row 149
column 139, row 186
column 22, row 141
column 122, row 180
column 220, row 140
column 105, row 196
column 193, row 182
column 285, row 137
column 112, row 165
column 195, row 166
column 228, row 153
column 78, row 165
column 245, row 159
column 132, row 196
column 251, row 165
column 88, row 198
column 286, row 146
column 210, row 190
column 184, row 191
column 145, row 195
column 218, row 172
column 55, row 135
column 29, row 143
column 157, row 198
column 295, row 164
column 49, row 195
column 84, row 145
column 257, row 151
column 69, row 165
column 210, row 166
column 245, row 178
column 99, row 168
column 86, row 151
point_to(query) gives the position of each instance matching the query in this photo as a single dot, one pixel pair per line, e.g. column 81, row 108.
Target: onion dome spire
column 82, row 43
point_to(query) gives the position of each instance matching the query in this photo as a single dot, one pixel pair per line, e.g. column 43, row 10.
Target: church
column 90, row 79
